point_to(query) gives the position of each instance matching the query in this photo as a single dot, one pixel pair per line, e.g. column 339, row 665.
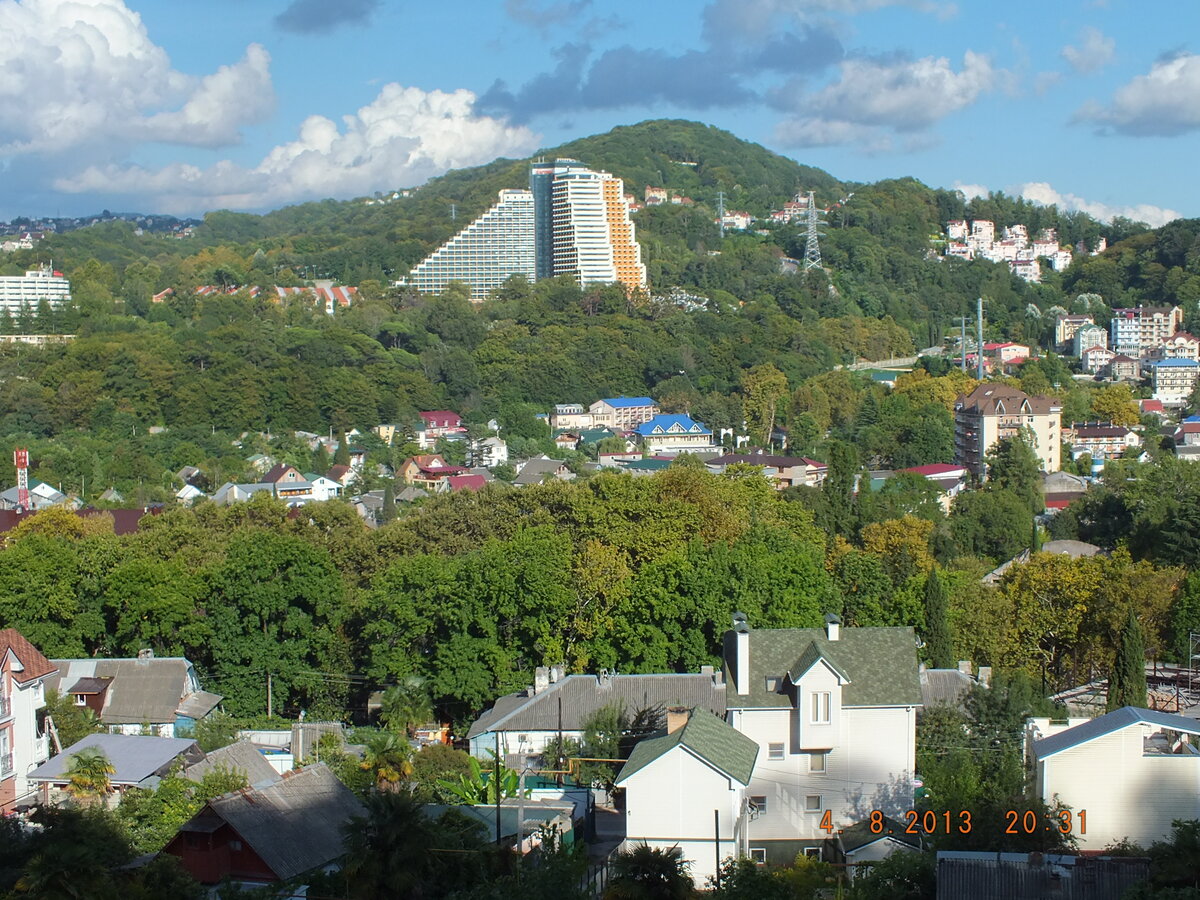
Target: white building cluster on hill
column 977, row 240
column 18, row 292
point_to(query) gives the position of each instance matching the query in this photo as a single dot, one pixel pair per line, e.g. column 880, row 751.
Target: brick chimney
column 677, row 717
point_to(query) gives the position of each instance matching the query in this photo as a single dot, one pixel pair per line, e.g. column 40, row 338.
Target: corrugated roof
column 33, row 663
column 626, row 402
column 199, row 704
column 582, row 695
column 881, row 664
column 135, row 757
column 945, row 687
column 1107, row 724
column 294, row 825
column 240, row 757
column 142, row 690
column 712, row 739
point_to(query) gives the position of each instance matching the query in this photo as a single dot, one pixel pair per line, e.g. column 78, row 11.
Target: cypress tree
column 1035, row 539
column 388, row 513
column 341, row 456
column 1127, row 685
column 938, row 641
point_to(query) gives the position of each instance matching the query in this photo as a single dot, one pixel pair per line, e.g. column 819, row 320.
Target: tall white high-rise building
column 485, row 254
column 19, row 292
column 593, row 236
column 573, row 221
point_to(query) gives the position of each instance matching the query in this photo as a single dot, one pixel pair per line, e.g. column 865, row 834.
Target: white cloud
column 1095, row 51
column 77, row 72
column 403, row 137
column 1042, row 192
column 874, row 96
column 971, row 191
column 1164, row 102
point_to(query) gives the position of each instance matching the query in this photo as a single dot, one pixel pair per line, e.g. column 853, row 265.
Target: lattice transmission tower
column 813, row 225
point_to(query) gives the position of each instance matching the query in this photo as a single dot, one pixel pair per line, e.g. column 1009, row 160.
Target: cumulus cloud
column 874, row 98
column 1165, row 102
column 404, row 136
column 1041, row 192
column 321, row 16
column 76, row 74
column 1095, row 51
column 971, row 191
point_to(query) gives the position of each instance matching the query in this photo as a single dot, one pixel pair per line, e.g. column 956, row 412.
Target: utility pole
column 979, row 338
column 496, row 785
column 962, row 343
column 721, row 212
column 717, row 844
column 270, row 706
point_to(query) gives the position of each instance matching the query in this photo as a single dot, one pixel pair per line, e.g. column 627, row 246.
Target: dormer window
column 80, row 699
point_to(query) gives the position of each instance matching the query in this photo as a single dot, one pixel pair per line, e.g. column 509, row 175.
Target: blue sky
column 181, row 106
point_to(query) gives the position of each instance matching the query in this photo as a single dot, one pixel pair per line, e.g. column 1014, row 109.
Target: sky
column 183, row 106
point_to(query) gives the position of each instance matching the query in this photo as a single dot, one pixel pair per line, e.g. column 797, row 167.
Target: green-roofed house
column 688, row 788
column 833, row 711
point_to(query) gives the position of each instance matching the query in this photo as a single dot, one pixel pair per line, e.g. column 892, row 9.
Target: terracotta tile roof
column 35, row 664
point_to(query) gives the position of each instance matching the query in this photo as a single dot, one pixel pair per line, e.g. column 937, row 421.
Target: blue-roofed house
column 1174, row 380
column 674, row 434
column 1128, row 773
column 622, row 413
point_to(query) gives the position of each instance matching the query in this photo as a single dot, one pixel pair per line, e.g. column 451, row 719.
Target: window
column 814, row 852
column 759, row 803
column 774, row 751
column 80, row 700
column 820, row 707
column 759, row 855
column 235, row 845
column 813, row 803
column 816, row 763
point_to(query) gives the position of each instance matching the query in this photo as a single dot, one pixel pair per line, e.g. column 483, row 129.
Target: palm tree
column 649, row 873
column 389, row 758
column 89, row 773
column 406, row 705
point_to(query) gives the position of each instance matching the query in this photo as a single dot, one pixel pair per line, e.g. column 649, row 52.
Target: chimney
column 739, row 666
column 833, row 627
column 541, row 679
column 677, row 717
column 556, row 674
column 145, row 654
column 964, row 666
column 985, row 676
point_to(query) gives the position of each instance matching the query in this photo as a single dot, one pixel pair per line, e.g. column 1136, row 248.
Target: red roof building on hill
column 22, row 670
column 466, row 483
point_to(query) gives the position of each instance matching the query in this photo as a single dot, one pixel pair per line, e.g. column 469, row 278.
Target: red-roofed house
column 1151, row 406
column 411, row 467
column 465, row 483
column 342, row 474
column 950, row 478
column 1188, row 435
column 436, row 424
column 23, row 670
column 1096, row 358
column 434, row 478
column 1099, row 440
column 1006, row 353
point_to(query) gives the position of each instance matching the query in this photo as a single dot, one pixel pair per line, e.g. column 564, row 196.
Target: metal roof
column 135, row 757
column 155, row 690
column 582, row 695
column 1107, row 724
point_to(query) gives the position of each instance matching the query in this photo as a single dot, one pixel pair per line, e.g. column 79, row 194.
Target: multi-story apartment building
column 1174, row 380
column 622, row 413
column 592, row 235
column 572, row 221
column 1065, row 328
column 25, row 292
column 23, row 671
column 1134, row 330
column 1088, row 336
column 995, row 411
column 493, row 248
column 1100, row 440
column 833, row 712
